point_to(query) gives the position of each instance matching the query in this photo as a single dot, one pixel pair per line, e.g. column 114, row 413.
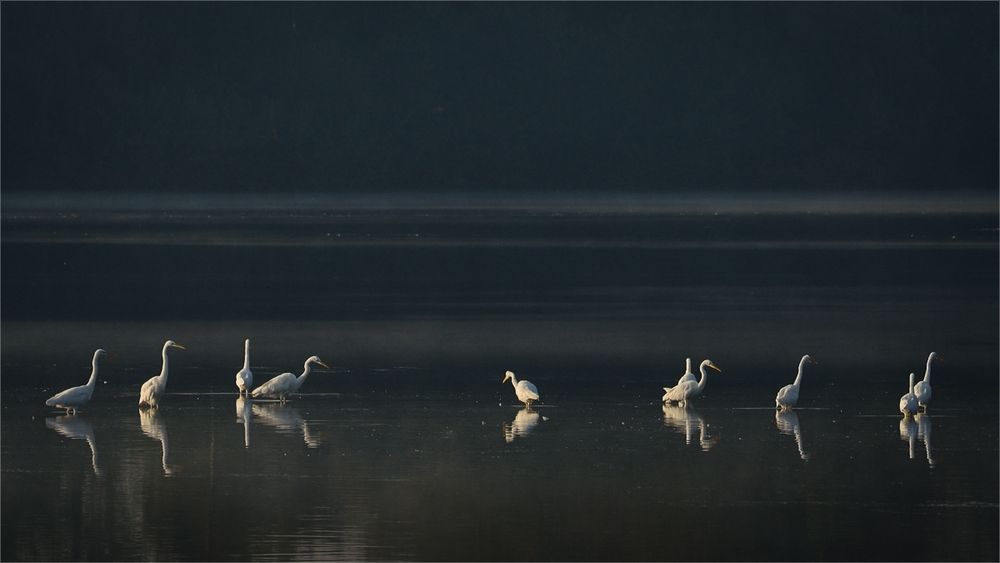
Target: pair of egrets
column 919, row 395
column 153, row 390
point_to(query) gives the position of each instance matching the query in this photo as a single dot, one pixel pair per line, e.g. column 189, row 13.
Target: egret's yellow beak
column 179, row 346
column 324, row 365
column 715, row 367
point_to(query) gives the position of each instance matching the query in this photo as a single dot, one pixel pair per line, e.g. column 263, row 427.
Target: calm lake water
column 410, row 447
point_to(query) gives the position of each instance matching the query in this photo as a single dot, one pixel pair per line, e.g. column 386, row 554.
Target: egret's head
column 246, row 342
column 933, row 356
column 507, row 376
column 807, row 359
column 709, row 364
column 100, row 353
column 172, row 344
column 317, row 361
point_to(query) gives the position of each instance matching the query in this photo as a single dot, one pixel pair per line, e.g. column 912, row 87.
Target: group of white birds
column 154, row 389
column 280, row 387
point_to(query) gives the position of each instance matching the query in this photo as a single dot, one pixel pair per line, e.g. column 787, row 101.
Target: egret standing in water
column 154, row 388
column 285, row 384
column 923, row 388
column 244, row 377
column 689, row 389
column 788, row 396
column 525, row 390
column 908, row 402
column 77, row 396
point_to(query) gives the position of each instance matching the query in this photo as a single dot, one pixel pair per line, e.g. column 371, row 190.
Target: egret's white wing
column 529, row 389
column 68, row 396
column 279, row 384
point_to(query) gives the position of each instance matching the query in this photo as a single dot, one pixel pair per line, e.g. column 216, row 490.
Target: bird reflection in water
column 787, row 422
column 244, row 412
column 286, row 419
column 908, row 433
column 524, row 422
column 924, row 435
column 75, row 427
column 685, row 420
column 152, row 425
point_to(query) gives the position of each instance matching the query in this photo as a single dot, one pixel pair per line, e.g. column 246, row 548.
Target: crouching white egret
column 923, row 388
column 285, row 384
column 153, row 390
column 908, row 402
column 80, row 395
column 525, row 390
column 788, row 396
column 689, row 389
column 244, row 377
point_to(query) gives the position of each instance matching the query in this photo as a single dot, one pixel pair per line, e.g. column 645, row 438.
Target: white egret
column 244, row 377
column 77, row 396
column 76, row 428
column 787, row 422
column 525, row 390
column 908, row 402
column 688, row 374
column 285, row 384
column 524, row 422
column 788, row 396
column 689, row 389
column 152, row 426
column 155, row 387
column 244, row 410
column 287, row 420
column 923, row 388
column 684, row 419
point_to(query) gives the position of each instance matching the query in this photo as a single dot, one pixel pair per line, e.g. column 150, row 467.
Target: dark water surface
column 410, row 448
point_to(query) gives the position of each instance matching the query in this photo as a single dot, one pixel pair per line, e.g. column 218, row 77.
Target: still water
column 330, row 476
column 410, row 448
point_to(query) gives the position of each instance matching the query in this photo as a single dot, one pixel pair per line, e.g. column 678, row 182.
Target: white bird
column 923, row 388
column 155, row 387
column 77, row 396
column 244, row 377
column 285, row 384
column 525, row 390
column 524, row 422
column 688, row 374
column 689, row 389
column 908, row 402
column 788, row 396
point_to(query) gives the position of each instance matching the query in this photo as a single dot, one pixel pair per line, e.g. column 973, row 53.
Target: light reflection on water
column 360, row 478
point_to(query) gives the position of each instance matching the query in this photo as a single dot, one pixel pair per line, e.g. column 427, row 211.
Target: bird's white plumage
column 788, row 396
column 80, row 395
column 153, row 390
column 908, row 402
column 525, row 390
column 923, row 388
column 281, row 386
column 244, row 377
column 688, row 374
column 689, row 389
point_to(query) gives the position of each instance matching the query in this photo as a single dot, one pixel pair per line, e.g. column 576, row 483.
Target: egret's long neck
column 704, row 376
column 798, row 378
column 927, row 372
column 93, row 372
column 246, row 355
column 513, row 380
column 687, row 366
column 911, row 383
column 306, row 369
column 166, row 366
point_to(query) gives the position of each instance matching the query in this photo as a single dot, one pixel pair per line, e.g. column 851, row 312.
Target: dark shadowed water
column 410, row 447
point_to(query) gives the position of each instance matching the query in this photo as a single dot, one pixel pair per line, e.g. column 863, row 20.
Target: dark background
column 510, row 98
